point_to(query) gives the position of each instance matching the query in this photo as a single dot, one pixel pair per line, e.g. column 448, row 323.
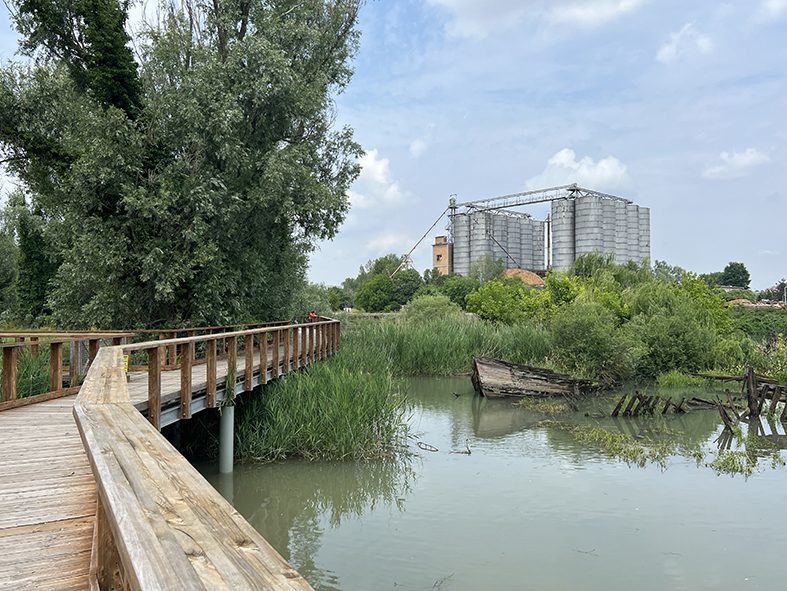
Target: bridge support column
column 226, row 439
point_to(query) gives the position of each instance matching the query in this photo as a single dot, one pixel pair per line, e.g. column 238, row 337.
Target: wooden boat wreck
column 494, row 378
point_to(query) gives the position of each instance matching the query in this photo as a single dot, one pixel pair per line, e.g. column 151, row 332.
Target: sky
column 679, row 106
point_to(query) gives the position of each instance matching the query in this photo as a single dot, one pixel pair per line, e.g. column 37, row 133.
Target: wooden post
column 9, row 374
column 295, row 337
column 775, row 396
column 275, row 356
column 109, row 570
column 312, row 343
column 304, row 345
column 185, row 380
column 248, row 346
column 751, row 385
column 263, row 358
column 73, row 372
column 92, row 345
column 190, row 333
column 55, row 367
column 162, row 350
column 232, row 365
column 285, row 365
column 34, row 348
column 210, row 360
column 338, row 336
column 155, row 356
column 173, row 351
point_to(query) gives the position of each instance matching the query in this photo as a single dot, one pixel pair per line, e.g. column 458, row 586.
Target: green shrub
column 430, row 307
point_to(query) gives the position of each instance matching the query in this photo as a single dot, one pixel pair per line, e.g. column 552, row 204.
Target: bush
column 429, row 307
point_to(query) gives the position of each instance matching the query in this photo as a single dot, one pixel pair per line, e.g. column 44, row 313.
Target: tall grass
column 32, row 373
column 442, row 347
column 332, row 410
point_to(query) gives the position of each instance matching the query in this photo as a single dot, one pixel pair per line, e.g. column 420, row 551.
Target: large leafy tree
column 188, row 188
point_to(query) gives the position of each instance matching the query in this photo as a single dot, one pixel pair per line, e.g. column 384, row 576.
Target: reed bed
column 333, row 410
column 443, row 347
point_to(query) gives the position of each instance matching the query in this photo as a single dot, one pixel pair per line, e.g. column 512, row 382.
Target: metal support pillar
column 226, row 439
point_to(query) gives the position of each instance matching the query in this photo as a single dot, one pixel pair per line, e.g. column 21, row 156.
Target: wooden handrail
column 292, row 347
column 160, row 525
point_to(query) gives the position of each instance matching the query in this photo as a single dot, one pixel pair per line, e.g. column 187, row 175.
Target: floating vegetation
column 734, row 462
column 546, row 406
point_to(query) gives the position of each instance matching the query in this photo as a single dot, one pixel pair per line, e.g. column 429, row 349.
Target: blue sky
column 679, row 106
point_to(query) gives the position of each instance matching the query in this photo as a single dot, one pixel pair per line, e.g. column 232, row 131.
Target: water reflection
column 292, row 503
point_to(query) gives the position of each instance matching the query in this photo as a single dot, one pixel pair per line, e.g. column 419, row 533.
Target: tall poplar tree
column 190, row 186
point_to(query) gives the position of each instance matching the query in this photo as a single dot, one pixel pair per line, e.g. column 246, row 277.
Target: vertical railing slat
column 248, row 345
column 210, row 360
column 155, row 356
column 295, row 337
column 285, row 365
column 9, row 374
column 232, row 365
column 275, row 355
column 185, row 380
column 55, row 366
column 263, row 358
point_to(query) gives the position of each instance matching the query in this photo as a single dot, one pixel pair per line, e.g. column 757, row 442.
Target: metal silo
column 539, row 253
column 526, row 243
column 480, row 227
column 460, row 233
column 514, row 247
column 589, row 225
column 562, row 230
column 500, row 243
column 608, row 227
column 644, row 233
column 621, row 233
column 632, row 225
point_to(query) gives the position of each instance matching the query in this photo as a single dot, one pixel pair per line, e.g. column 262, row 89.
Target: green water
column 529, row 508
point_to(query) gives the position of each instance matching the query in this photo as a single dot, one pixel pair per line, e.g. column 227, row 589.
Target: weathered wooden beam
column 275, row 355
column 295, row 346
column 248, row 346
column 619, row 405
column 92, row 347
column 55, row 366
column 285, row 362
column 304, row 345
column 185, row 380
column 210, row 360
column 263, row 358
column 232, row 366
column 155, row 356
column 10, row 355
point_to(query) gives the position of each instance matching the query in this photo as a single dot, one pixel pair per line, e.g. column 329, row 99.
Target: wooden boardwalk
column 47, row 499
column 47, row 490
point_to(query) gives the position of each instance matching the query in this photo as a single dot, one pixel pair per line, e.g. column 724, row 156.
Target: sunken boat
column 495, row 378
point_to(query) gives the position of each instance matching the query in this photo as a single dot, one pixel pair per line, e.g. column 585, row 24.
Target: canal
column 528, row 508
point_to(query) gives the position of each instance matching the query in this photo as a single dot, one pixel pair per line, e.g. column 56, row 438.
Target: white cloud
column 736, row 165
column 771, row 10
column 593, row 13
column 417, row 148
column 375, row 185
column 687, row 40
column 391, row 242
column 478, row 18
column 563, row 169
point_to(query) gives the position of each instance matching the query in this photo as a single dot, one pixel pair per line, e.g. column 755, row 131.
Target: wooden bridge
column 92, row 496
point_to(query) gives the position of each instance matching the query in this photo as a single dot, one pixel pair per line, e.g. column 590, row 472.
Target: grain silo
column 460, row 233
column 514, row 240
column 581, row 221
column 563, row 252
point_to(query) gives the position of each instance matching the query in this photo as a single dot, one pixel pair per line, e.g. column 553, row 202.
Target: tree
column 735, row 275
column 198, row 201
column 35, row 267
column 376, row 295
column 486, row 268
column 404, row 284
column 457, row 287
column 662, row 271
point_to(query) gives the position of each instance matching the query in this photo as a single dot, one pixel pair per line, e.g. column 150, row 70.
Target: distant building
column 582, row 221
column 441, row 255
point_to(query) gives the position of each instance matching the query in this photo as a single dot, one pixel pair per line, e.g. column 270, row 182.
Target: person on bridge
column 312, row 316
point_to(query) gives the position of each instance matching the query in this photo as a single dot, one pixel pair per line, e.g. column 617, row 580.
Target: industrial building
column 581, row 221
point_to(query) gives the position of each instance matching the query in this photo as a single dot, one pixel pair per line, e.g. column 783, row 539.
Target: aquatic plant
column 677, row 379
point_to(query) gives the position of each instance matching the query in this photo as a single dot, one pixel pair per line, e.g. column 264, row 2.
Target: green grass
column 677, row 379
column 32, row 373
column 330, row 411
column 442, row 347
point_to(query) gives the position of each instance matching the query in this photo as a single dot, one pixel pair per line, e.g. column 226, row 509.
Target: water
column 530, row 508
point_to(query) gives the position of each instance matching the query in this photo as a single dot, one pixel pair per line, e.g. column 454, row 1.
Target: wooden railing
column 160, row 525
column 63, row 377
column 291, row 347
